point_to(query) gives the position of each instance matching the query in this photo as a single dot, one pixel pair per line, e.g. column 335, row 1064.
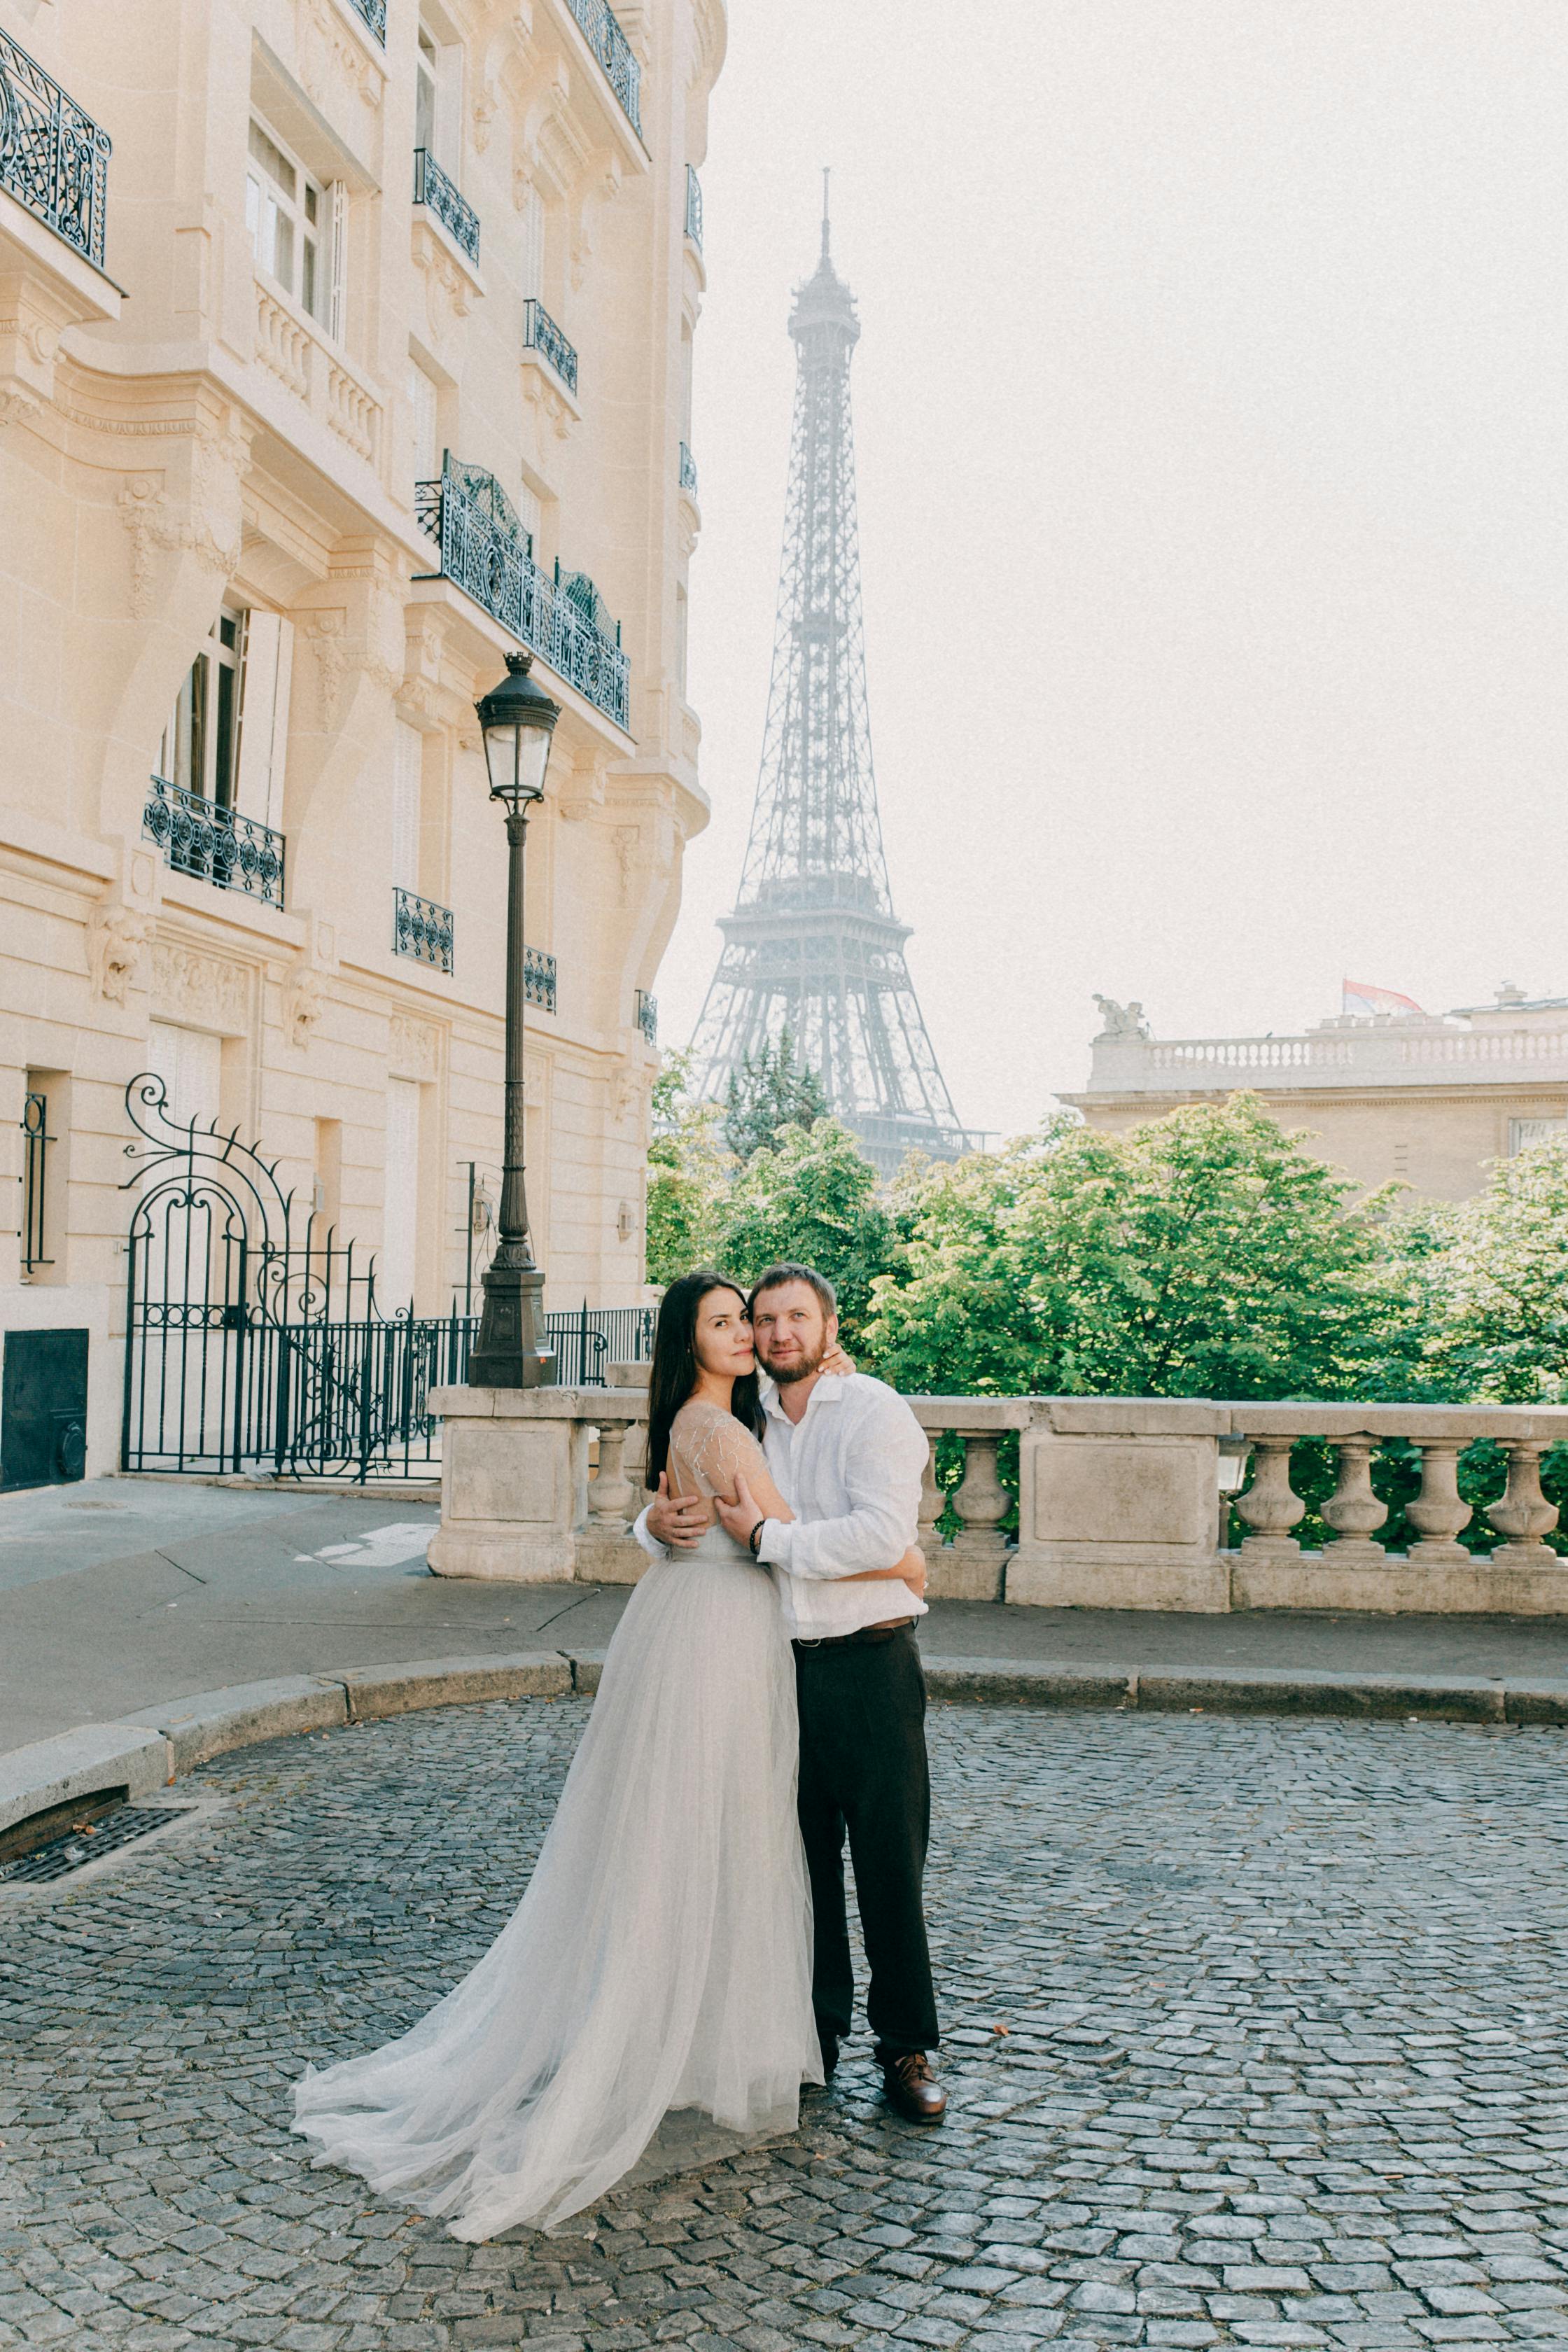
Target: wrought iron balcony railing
column 216, row 845
column 374, row 15
column 437, row 193
column 539, row 979
column 601, row 31
column 421, row 928
column 485, row 553
column 688, row 470
column 540, row 334
column 647, row 1016
column 693, row 208
column 54, row 157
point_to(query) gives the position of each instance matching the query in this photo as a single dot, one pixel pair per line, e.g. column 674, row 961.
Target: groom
column 848, row 1454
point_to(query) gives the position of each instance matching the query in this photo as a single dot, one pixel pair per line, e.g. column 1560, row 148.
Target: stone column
column 1436, row 1513
column 1524, row 1515
column 1270, row 1506
column 514, row 1468
column 1352, row 1510
column 972, row 1566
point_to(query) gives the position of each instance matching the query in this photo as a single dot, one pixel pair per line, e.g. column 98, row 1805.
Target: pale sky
column 1211, row 422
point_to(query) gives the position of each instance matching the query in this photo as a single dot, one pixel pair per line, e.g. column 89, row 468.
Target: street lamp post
column 516, row 720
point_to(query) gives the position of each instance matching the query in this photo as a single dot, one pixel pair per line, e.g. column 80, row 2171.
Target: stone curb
column 144, row 1751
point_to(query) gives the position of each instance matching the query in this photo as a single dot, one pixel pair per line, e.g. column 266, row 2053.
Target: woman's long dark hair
column 675, row 1365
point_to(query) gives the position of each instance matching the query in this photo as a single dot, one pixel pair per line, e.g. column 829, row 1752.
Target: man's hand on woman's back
column 676, row 1521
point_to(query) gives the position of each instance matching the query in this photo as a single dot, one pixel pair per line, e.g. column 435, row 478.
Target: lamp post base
column 507, row 1353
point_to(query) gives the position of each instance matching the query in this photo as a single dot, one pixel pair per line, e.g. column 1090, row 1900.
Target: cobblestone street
column 1256, row 2036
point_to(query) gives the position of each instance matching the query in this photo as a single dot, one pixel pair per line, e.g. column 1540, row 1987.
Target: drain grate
column 78, row 1847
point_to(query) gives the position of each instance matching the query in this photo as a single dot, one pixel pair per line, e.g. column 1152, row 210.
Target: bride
column 660, row 1957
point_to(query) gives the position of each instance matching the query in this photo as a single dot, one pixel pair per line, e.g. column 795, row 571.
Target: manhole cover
column 76, row 1848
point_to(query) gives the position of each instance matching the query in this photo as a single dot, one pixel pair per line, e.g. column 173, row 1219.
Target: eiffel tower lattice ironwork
column 813, row 945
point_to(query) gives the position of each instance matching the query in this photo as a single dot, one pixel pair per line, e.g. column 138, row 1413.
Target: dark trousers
column 863, row 1768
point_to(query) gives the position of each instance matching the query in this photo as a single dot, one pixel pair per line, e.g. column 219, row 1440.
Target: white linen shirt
column 850, row 1471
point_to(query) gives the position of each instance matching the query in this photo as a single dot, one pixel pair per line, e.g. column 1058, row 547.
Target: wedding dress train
column 659, row 1959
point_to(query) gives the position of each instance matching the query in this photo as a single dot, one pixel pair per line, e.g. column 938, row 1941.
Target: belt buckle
column 809, row 1641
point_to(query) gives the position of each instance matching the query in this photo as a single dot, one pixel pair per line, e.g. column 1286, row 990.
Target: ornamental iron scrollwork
column 485, row 553
column 215, row 845
column 441, row 196
column 601, row 31
column 540, row 334
column 54, row 157
column 422, row 929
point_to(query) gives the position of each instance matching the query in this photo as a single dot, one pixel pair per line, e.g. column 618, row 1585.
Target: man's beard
column 786, row 1376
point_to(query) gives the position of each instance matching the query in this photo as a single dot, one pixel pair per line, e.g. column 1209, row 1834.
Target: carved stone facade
column 215, row 575
column 1424, row 1100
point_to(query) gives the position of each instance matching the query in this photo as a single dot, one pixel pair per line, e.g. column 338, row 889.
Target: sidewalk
column 120, row 1593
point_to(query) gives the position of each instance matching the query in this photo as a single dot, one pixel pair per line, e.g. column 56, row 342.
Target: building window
column 1524, row 1132
column 41, row 1214
column 438, row 94
column 394, row 1272
column 292, row 221
column 200, row 749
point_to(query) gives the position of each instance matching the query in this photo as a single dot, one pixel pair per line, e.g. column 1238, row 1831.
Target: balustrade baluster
column 1352, row 1510
column 978, row 1552
column 610, row 1497
column 1436, row 1513
column 932, row 1498
column 1270, row 1506
column 1524, row 1515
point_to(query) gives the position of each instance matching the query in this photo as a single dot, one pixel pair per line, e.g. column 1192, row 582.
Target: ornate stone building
column 343, row 345
column 1424, row 1099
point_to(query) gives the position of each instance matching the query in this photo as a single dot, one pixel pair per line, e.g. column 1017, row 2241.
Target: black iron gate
column 254, row 1342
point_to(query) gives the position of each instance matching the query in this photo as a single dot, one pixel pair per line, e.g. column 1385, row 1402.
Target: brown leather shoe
column 911, row 2089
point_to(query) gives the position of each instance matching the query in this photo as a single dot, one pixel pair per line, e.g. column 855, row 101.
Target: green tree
column 1204, row 1254
column 811, row 1197
column 1490, row 1278
column 770, row 1091
column 689, row 1174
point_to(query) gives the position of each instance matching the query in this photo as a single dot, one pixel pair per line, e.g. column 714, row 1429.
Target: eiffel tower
column 813, row 945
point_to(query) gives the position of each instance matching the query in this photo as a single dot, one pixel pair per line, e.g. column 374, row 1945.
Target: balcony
column 647, row 1017
column 215, row 845
column 687, row 471
column 540, row 334
column 539, row 979
column 694, row 207
column 374, row 14
column 54, row 159
column 422, row 929
column 603, row 36
column 485, row 553
column 437, row 193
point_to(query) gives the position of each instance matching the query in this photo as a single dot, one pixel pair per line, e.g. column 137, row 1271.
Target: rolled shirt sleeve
column 882, row 1477
column 650, row 1544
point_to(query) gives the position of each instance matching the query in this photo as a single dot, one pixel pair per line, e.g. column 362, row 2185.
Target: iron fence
column 374, row 12
column 601, row 31
column 540, row 334
column 255, row 1341
column 485, row 553
column 216, row 845
column 694, row 206
column 36, row 1142
column 687, row 471
column 54, row 157
column 421, row 928
column 440, row 195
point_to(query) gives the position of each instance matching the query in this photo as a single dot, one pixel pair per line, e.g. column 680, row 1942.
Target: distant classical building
column 1422, row 1098
column 345, row 345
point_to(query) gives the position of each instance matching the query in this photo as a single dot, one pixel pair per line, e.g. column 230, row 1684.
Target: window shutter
column 337, row 244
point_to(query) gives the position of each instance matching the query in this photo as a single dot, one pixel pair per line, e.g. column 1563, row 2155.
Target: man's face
column 791, row 1331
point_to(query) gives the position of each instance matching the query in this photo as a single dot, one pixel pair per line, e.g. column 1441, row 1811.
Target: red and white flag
column 1360, row 996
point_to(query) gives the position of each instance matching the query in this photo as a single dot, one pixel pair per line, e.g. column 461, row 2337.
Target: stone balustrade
column 1120, row 1500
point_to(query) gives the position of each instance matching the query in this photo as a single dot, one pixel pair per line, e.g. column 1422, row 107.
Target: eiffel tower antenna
column 813, row 945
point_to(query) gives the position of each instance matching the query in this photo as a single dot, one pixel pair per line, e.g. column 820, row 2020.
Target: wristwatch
column 754, row 1539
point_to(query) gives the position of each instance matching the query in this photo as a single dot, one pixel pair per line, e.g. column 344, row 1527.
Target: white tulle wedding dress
column 653, row 1984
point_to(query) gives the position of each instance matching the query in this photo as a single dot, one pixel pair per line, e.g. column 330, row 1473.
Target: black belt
column 863, row 1634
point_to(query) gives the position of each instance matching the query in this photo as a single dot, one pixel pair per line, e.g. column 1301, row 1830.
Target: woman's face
column 723, row 1336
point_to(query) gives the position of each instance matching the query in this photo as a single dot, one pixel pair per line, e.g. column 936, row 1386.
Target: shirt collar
column 831, row 1387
